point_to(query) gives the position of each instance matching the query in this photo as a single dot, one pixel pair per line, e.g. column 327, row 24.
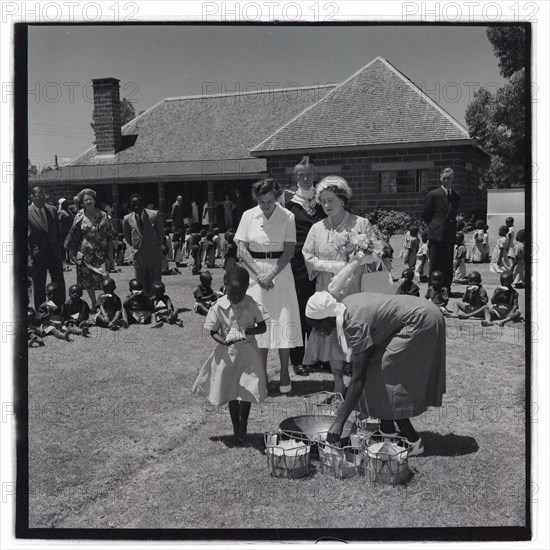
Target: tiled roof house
column 377, row 129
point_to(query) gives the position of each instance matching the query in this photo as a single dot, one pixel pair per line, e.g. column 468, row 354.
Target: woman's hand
column 334, row 433
column 265, row 280
column 336, row 267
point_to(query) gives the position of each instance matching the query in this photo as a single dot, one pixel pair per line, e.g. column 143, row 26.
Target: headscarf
column 322, row 305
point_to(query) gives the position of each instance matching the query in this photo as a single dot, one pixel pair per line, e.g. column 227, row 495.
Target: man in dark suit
column 440, row 210
column 177, row 214
column 144, row 231
column 44, row 246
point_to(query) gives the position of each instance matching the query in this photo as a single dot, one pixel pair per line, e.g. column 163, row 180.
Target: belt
column 266, row 255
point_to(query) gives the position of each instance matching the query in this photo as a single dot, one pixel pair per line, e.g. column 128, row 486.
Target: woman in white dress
column 266, row 238
column 325, row 257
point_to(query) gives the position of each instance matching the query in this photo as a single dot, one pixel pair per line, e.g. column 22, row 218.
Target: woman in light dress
column 266, row 238
column 324, row 257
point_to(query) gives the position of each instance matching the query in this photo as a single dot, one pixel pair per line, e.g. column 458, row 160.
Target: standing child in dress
column 234, row 372
column 406, row 284
column 410, row 248
column 51, row 314
column 177, row 247
column 475, row 299
column 516, row 256
column 76, row 312
column 437, row 293
column 209, row 251
column 217, row 240
column 422, row 267
column 459, row 262
column 137, row 307
column 477, row 251
column 511, row 233
column 504, row 303
column 120, row 249
column 230, row 251
column 195, row 254
column 499, row 260
column 486, row 247
column 110, row 307
column 204, row 294
column 164, row 310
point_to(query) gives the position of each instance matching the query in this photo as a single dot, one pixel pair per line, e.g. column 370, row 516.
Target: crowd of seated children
column 459, row 261
column 437, row 293
column 474, row 300
column 109, row 306
column 163, row 308
column 205, row 296
column 411, row 244
column 76, row 312
column 407, row 285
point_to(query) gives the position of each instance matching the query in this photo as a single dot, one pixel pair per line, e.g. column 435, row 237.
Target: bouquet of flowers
column 360, row 250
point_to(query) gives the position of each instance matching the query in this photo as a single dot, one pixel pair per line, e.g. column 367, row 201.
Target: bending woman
column 398, row 348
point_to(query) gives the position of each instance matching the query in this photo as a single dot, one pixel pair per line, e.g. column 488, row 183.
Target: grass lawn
column 117, row 440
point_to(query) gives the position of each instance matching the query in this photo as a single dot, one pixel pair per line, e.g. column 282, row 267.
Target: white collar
column 260, row 214
column 224, row 302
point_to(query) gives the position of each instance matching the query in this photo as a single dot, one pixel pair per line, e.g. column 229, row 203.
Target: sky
column 155, row 62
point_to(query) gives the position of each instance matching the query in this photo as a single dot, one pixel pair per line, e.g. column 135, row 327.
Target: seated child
column 209, row 251
column 406, row 284
column 230, row 252
column 499, row 260
column 120, row 249
column 205, row 295
column 459, row 261
column 34, row 330
column 234, row 373
column 422, row 267
column 437, row 293
column 474, row 300
column 137, row 307
column 163, row 309
column 109, row 307
column 51, row 314
column 411, row 244
column 516, row 255
column 476, row 251
column 217, row 240
column 76, row 312
column 504, row 303
column 194, row 254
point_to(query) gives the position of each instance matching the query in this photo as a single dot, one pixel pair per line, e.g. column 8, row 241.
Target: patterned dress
column 88, row 242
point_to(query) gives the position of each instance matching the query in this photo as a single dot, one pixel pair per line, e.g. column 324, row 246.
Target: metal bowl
column 312, row 427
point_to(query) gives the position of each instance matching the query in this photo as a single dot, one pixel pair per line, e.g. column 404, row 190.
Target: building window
column 403, row 181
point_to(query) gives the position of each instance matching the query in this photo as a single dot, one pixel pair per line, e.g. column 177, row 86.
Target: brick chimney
column 106, row 115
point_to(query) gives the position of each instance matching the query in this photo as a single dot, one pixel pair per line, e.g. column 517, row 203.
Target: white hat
column 321, row 305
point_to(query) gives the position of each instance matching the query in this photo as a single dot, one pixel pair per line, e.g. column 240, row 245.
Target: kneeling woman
column 397, row 345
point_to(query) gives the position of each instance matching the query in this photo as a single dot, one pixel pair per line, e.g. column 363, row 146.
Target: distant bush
column 391, row 221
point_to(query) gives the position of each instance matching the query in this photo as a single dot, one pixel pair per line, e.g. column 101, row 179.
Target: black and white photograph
column 278, row 279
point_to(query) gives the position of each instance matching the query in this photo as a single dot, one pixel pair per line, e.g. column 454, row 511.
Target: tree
column 496, row 121
column 127, row 111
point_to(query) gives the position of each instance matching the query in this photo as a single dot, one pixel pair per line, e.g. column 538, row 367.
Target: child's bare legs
column 337, row 368
column 156, row 322
column 59, row 334
column 91, row 294
column 284, row 356
column 201, row 309
column 514, row 317
column 489, row 315
column 83, row 330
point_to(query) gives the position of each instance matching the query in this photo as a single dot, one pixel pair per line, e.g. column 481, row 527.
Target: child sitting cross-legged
column 407, row 285
column 51, row 314
column 137, row 307
column 163, row 308
column 437, row 293
column 110, row 307
column 205, row 295
column 234, row 372
column 34, row 330
column 76, row 312
column 504, row 303
column 474, row 300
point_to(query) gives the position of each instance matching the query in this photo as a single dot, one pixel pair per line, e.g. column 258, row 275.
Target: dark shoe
column 301, row 370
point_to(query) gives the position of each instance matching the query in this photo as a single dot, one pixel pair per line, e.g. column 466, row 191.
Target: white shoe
column 285, row 389
column 416, row 448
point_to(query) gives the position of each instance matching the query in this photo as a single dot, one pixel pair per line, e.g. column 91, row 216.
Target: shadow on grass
column 301, row 387
column 436, row 444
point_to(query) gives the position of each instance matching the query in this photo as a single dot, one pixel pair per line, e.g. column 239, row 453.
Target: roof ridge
column 313, row 105
column 208, row 96
column 425, row 96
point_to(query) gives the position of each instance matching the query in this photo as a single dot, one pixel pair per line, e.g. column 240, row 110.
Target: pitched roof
column 207, row 127
column 376, row 105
